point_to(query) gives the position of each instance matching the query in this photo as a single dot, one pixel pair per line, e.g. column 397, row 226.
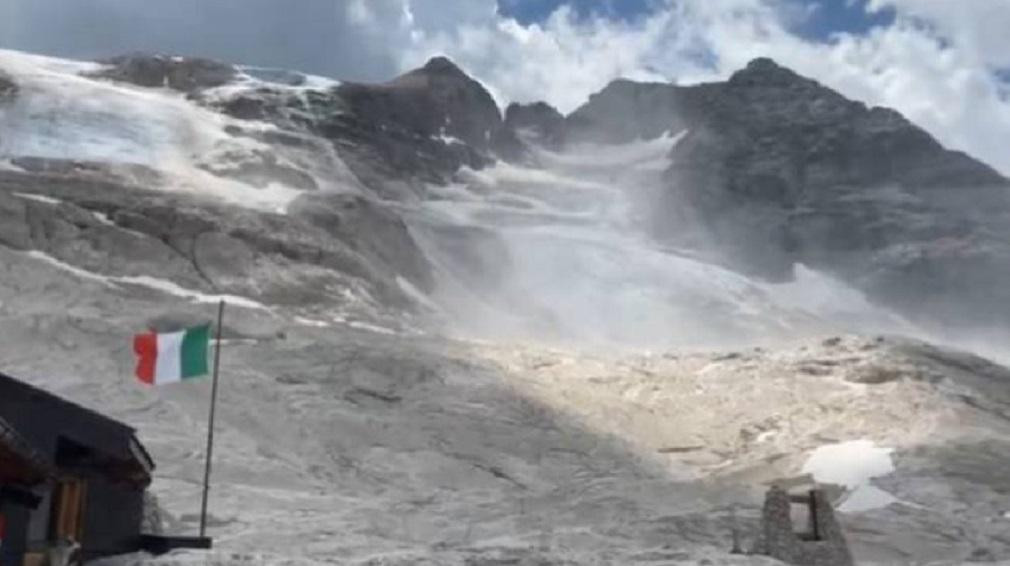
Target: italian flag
column 172, row 357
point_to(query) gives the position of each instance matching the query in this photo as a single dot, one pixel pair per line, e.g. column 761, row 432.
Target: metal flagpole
column 210, row 423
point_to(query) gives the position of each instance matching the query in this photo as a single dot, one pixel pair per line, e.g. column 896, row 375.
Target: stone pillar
column 780, row 540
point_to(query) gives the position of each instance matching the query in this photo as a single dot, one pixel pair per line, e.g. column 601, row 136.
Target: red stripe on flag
column 146, row 348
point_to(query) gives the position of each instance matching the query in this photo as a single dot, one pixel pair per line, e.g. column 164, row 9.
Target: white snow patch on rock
column 155, row 283
column 312, row 322
column 414, row 293
column 82, row 273
column 171, row 288
column 38, row 198
column 852, row 464
column 103, row 218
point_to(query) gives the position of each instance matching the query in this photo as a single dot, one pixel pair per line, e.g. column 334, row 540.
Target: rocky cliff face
column 540, row 122
column 396, row 137
column 777, row 169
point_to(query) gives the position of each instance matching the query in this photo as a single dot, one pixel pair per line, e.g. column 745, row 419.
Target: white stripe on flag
column 168, row 368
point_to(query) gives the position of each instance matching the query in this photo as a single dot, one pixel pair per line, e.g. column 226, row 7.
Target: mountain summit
column 776, row 169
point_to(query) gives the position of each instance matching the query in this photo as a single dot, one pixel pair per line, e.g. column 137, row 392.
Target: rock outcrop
column 338, row 250
column 437, row 100
column 396, row 137
column 777, row 169
column 539, row 122
column 185, row 74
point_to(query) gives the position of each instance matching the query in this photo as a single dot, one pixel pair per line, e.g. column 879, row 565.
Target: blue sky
column 822, row 18
column 529, row 11
column 828, row 17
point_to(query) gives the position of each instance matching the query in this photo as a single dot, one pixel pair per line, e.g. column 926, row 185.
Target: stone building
column 67, row 473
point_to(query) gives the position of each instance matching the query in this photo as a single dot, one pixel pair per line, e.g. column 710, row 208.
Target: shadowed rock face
column 435, row 100
column 436, row 104
column 777, row 169
column 540, row 120
column 179, row 73
column 396, row 137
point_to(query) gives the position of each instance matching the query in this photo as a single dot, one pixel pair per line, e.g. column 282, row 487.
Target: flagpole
column 210, row 423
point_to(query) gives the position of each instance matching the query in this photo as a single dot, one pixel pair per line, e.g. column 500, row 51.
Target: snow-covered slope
column 62, row 112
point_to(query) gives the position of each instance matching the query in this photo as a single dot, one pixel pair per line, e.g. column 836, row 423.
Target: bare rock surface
column 321, row 257
column 539, row 120
column 184, row 74
column 354, row 446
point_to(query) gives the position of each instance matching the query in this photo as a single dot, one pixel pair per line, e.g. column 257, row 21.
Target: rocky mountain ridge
column 351, row 226
column 777, row 169
column 774, row 169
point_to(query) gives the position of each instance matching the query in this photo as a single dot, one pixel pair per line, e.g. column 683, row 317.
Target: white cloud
column 935, row 64
column 359, row 14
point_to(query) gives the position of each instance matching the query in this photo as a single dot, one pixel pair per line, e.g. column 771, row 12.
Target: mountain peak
column 764, row 71
column 442, row 65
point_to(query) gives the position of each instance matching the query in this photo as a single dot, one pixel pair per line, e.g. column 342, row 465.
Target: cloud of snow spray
column 559, row 253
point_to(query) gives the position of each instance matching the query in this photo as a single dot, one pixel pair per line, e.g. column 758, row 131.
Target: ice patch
column 8, row 165
column 414, row 293
column 283, row 79
column 103, row 218
column 370, row 327
column 852, row 464
column 38, row 198
column 155, row 283
column 171, row 288
column 311, row 322
column 82, row 273
column 60, row 114
column 51, row 64
column 447, row 139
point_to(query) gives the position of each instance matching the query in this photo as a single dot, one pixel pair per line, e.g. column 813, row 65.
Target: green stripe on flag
column 195, row 343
